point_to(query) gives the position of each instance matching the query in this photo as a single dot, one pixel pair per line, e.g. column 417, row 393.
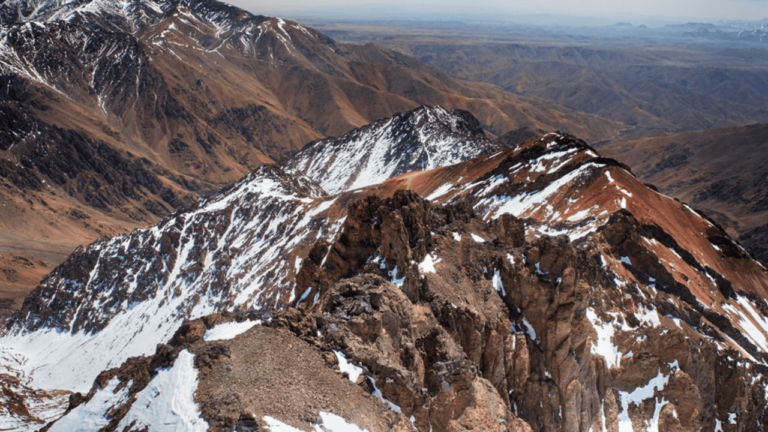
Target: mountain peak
column 137, row 12
column 236, row 248
column 421, row 139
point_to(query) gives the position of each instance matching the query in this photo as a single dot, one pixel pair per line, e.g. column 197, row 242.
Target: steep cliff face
column 541, row 287
column 589, row 346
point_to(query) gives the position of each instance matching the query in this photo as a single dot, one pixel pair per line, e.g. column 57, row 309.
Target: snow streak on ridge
column 422, row 139
column 121, row 297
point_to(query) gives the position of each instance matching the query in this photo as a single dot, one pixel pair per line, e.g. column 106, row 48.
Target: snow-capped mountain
column 191, row 95
column 628, row 309
column 408, row 275
column 756, row 32
column 653, row 243
column 421, row 139
column 120, row 297
column 632, row 305
column 241, row 249
column 137, row 13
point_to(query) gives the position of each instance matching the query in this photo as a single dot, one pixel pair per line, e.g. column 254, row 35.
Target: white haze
column 589, row 12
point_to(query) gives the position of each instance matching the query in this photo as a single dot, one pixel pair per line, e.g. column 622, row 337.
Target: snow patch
column 497, row 283
column 640, row 394
column 477, row 238
column 334, row 423
column 647, row 316
column 442, row 190
column 527, row 202
column 345, row 366
column 329, row 422
column 732, row 418
column 604, row 346
column 229, row 330
column 376, row 392
column 428, row 264
column 756, row 328
column 398, row 282
column 578, row 215
column 529, row 330
column 91, row 415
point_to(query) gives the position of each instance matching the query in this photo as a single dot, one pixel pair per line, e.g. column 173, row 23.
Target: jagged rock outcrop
column 484, row 329
column 539, row 287
column 586, row 349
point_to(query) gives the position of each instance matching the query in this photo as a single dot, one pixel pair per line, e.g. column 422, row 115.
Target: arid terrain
column 114, row 118
column 722, row 172
column 695, row 106
column 644, row 78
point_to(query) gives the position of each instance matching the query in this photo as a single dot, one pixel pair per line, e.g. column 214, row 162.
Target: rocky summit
column 464, row 286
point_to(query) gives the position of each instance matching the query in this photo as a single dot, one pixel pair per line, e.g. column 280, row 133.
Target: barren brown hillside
column 722, row 172
column 114, row 118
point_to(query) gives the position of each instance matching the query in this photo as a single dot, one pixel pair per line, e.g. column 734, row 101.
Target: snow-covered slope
column 650, row 280
column 22, row 406
column 421, row 139
column 120, row 297
column 136, row 13
column 167, row 402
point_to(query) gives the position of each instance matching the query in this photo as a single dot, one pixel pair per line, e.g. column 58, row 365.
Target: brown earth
column 722, row 172
column 291, row 381
column 644, row 80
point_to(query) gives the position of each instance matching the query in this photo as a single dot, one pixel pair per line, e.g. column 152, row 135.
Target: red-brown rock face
column 598, row 333
column 540, row 288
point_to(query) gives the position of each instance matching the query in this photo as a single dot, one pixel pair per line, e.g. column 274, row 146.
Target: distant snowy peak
column 138, row 13
column 42, row 11
column 422, row 139
column 227, row 19
column 207, row 26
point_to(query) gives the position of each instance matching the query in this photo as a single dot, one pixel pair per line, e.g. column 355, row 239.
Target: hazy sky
column 621, row 10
